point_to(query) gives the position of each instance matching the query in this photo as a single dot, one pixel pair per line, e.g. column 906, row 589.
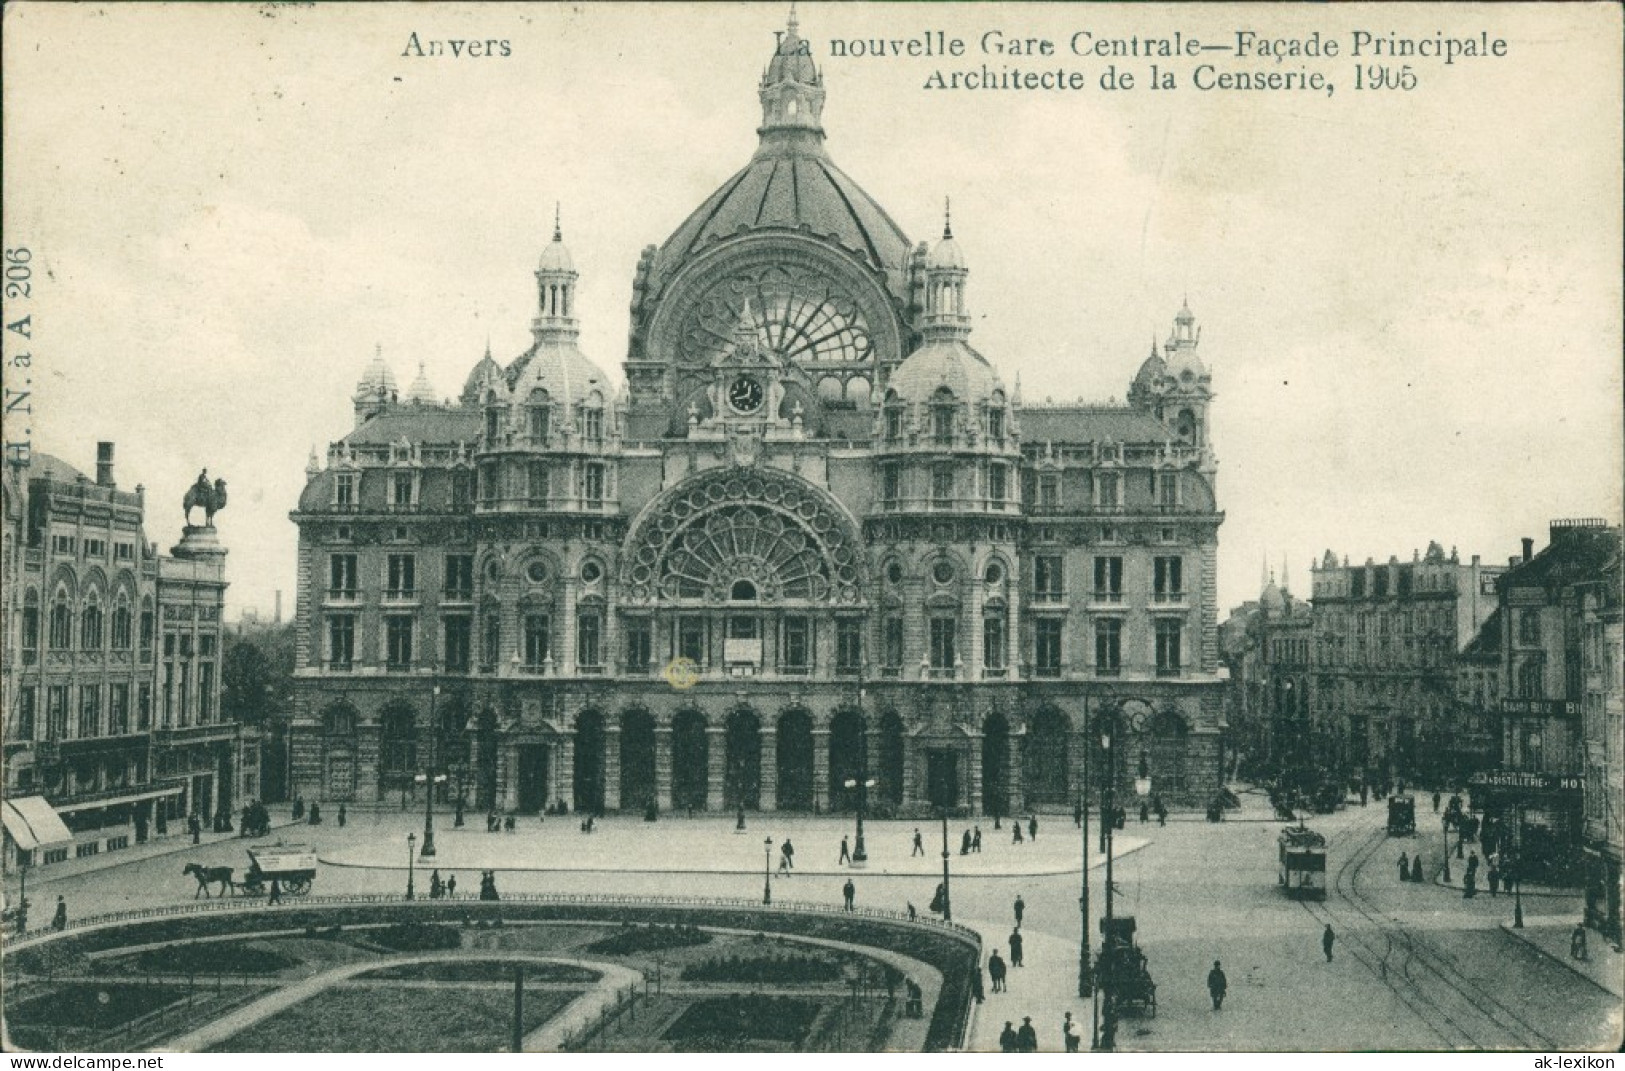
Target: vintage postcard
column 758, row 527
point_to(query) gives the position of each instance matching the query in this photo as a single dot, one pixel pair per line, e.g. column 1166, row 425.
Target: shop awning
column 33, row 823
column 117, row 799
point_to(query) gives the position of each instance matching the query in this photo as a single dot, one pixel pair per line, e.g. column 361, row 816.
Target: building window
column 589, row 641
column 796, row 656
column 1529, row 627
column 344, row 490
column 95, row 548
column 56, row 712
column 592, row 424
column 942, row 423
column 1531, row 681
column 538, row 641
column 27, row 698
column 121, row 626
column 891, row 643
column 995, row 425
column 639, row 647
column 491, row 641
column 148, row 626
column 942, row 486
column 90, row 626
column 593, row 490
column 540, row 417
column 30, row 629
column 1047, row 647
column 944, row 645
column 894, row 422
column 460, row 576
column 1049, row 491
column 205, row 691
column 1047, row 579
column 488, row 474
column 1108, row 647
column 340, row 643
column 995, row 485
column 456, row 646
column 401, row 487
column 692, row 640
column 1168, row 579
column 118, row 709
column 493, row 424
column 1108, row 490
column 891, row 485
column 1170, row 653
column 123, row 552
column 993, row 643
column 848, row 647
column 341, row 576
column 398, row 642
column 90, row 711
column 1109, row 579
column 536, row 481
column 61, row 623
column 1167, row 489
column 401, row 579
column 64, row 544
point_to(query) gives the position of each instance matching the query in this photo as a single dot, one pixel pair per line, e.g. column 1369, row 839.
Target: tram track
column 1459, row 1012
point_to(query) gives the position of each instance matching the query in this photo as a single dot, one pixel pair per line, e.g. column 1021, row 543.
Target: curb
column 1512, row 932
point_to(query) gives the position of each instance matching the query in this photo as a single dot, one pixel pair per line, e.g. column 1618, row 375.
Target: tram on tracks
column 1302, row 863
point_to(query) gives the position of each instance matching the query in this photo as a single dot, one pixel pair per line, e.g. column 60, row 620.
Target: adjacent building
column 111, row 692
column 1267, row 644
column 1555, row 616
column 1386, row 637
column 813, row 538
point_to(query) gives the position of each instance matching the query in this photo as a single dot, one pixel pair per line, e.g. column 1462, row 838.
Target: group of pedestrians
column 439, row 889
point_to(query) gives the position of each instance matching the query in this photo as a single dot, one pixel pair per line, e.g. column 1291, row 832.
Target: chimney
column 1528, row 548
column 104, row 465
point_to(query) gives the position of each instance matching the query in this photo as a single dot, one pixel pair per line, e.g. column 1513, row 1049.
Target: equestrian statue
column 212, row 497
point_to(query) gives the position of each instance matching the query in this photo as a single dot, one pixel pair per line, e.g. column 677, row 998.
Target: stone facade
column 814, row 539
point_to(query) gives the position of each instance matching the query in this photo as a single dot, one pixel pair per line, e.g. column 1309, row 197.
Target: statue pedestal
column 199, row 541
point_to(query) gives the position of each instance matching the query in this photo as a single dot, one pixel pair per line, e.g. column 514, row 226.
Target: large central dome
column 791, row 184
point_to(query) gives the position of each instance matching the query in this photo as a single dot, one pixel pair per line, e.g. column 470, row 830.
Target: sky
column 1410, row 299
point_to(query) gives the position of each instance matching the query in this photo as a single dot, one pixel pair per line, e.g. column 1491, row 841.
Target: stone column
column 663, row 765
column 507, row 793
column 564, row 763
column 612, row 767
column 770, row 769
column 716, row 754
column 820, row 784
column 911, row 760
column 973, row 754
column 1017, row 791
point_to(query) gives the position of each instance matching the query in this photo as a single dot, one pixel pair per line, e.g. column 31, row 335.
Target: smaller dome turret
column 422, row 391
column 483, row 376
column 556, row 255
column 377, row 377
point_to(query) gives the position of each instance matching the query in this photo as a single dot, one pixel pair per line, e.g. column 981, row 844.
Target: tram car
column 1302, row 870
column 1401, row 816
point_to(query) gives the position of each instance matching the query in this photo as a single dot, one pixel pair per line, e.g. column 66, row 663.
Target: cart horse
column 210, row 875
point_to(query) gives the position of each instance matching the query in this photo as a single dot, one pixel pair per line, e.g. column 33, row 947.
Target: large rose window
column 744, row 537
column 799, row 315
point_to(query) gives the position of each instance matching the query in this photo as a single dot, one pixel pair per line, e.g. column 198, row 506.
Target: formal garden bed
column 480, row 970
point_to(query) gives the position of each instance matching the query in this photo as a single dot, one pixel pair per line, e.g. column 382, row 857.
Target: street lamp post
column 1108, row 807
column 1086, row 981
column 1446, row 823
column 1517, row 893
column 411, row 863
column 767, row 870
column 860, row 856
column 947, row 901
column 430, row 779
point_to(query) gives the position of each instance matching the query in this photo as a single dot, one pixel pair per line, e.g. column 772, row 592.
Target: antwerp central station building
column 812, row 539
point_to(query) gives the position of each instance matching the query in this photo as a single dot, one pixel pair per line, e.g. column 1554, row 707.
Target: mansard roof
column 418, row 423
column 1090, row 423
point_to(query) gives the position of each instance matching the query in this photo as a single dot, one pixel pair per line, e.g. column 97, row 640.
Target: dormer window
column 942, row 419
column 894, row 423
column 995, row 424
column 592, row 424
column 493, row 419
column 1107, row 490
column 344, row 490
column 539, row 423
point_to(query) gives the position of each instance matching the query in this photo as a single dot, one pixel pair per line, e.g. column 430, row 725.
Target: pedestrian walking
column 1469, row 884
column 451, row 886
column 1069, row 1033
column 1077, row 814
column 1404, row 867
column 1365, row 790
column 1020, row 909
column 788, row 853
column 849, row 891
column 343, row 816
column 1217, row 985
column 976, row 840
column 1494, row 876
column 846, row 854
column 1027, row 1036
column 1032, row 827
column 1007, row 1036
column 1015, row 832
column 1145, row 812
column 276, row 892
column 996, row 971
column 59, row 921
column 964, row 843
column 1015, row 949
column 1327, row 939
column 975, row 984
column 912, row 913
column 1416, row 867
column 919, row 843
column 1577, row 942
column 1435, row 803
column 195, row 825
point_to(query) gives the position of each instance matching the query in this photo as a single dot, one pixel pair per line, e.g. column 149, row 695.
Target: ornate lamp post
column 430, row 779
column 1086, row 976
column 947, row 900
column 411, row 862
column 1446, row 823
column 767, row 870
column 1108, row 808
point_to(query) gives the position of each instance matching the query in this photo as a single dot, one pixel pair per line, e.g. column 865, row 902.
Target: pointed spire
column 488, row 346
column 792, row 24
column 558, row 233
column 1286, row 575
column 947, row 218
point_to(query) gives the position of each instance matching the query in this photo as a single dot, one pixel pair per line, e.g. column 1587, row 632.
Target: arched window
column 90, row 624
column 592, row 423
column 61, row 622
column 148, row 627
column 30, row 627
column 942, row 416
column 121, row 623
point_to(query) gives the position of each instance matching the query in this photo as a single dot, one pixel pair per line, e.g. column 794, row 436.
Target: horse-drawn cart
column 293, row 866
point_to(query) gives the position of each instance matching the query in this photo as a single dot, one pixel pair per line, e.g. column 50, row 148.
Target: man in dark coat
column 1015, row 948
column 1021, row 909
column 976, row 840
column 846, row 854
column 1217, row 984
column 59, row 921
column 849, row 891
column 1007, row 1038
column 1032, row 827
column 1327, row 939
column 1027, row 1036
column 996, row 971
column 1404, row 867
column 919, row 844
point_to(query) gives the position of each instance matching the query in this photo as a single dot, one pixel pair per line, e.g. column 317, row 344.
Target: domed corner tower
column 789, row 247
column 1176, row 387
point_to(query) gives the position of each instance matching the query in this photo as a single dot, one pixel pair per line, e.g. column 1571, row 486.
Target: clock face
column 745, row 394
